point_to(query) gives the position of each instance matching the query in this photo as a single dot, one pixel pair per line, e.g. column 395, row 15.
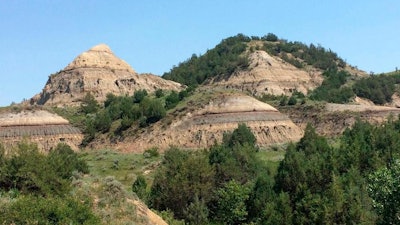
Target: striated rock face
column 99, row 72
column 270, row 75
column 39, row 126
column 201, row 128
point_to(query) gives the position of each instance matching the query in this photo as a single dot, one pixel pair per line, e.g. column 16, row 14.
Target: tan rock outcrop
column 38, row 126
column 99, row 72
column 202, row 127
column 270, row 75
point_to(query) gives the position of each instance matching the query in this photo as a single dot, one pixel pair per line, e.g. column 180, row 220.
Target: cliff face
column 270, row 75
column 202, row 127
column 39, row 126
column 99, row 72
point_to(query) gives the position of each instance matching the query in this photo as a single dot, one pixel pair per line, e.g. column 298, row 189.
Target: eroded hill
column 202, row 120
column 99, row 72
column 39, row 126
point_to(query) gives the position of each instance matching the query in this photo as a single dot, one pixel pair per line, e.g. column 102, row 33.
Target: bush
column 292, row 101
column 231, row 203
column 159, row 93
column 171, row 100
column 31, row 172
column 139, row 95
column 89, row 104
column 241, row 136
column 39, row 210
column 112, row 192
column 270, row 37
column 139, row 187
column 151, row 152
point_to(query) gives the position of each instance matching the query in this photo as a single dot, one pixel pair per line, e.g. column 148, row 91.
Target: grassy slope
column 130, row 165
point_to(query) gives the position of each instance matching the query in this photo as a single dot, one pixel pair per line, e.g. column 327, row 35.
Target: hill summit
column 99, row 72
column 100, row 56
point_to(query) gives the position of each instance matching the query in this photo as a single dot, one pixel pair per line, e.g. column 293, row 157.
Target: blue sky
column 38, row 38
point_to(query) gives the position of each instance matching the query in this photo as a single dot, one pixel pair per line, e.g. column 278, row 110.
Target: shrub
column 292, row 101
column 159, row 93
column 240, row 136
column 151, row 152
column 139, row 95
column 39, row 210
column 139, row 187
column 112, row 191
column 89, row 104
column 270, row 37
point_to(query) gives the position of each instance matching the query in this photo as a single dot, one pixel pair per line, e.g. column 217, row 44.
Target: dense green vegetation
column 351, row 182
column 332, row 89
column 38, row 187
column 377, row 88
column 229, row 55
column 122, row 112
column 225, row 58
column 300, row 55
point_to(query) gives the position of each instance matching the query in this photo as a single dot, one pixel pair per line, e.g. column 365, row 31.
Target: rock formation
column 99, row 72
column 204, row 126
column 39, row 126
column 270, row 75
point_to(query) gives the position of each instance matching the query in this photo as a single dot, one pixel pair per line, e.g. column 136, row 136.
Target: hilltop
column 259, row 66
column 98, row 72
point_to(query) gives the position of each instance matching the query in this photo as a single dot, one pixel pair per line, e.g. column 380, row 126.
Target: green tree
column 159, row 93
column 231, row 203
column 181, row 177
column 292, row 100
column 261, row 196
column 139, row 187
column 65, row 161
column 102, row 121
column 270, row 37
column 50, row 210
column 171, row 100
column 242, row 135
column 197, row 212
column 30, row 172
column 239, row 163
column 384, row 189
column 139, row 95
column 89, row 104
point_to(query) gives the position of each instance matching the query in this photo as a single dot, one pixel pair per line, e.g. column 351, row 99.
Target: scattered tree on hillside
column 89, row 104
column 223, row 60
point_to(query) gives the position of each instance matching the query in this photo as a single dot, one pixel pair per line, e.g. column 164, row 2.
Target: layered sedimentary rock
column 99, row 72
column 267, row 74
column 39, row 126
column 205, row 126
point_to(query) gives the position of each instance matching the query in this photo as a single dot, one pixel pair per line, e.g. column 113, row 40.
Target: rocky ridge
column 99, row 72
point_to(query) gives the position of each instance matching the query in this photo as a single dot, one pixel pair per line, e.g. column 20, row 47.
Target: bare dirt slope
column 205, row 118
column 270, row 75
column 99, row 72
